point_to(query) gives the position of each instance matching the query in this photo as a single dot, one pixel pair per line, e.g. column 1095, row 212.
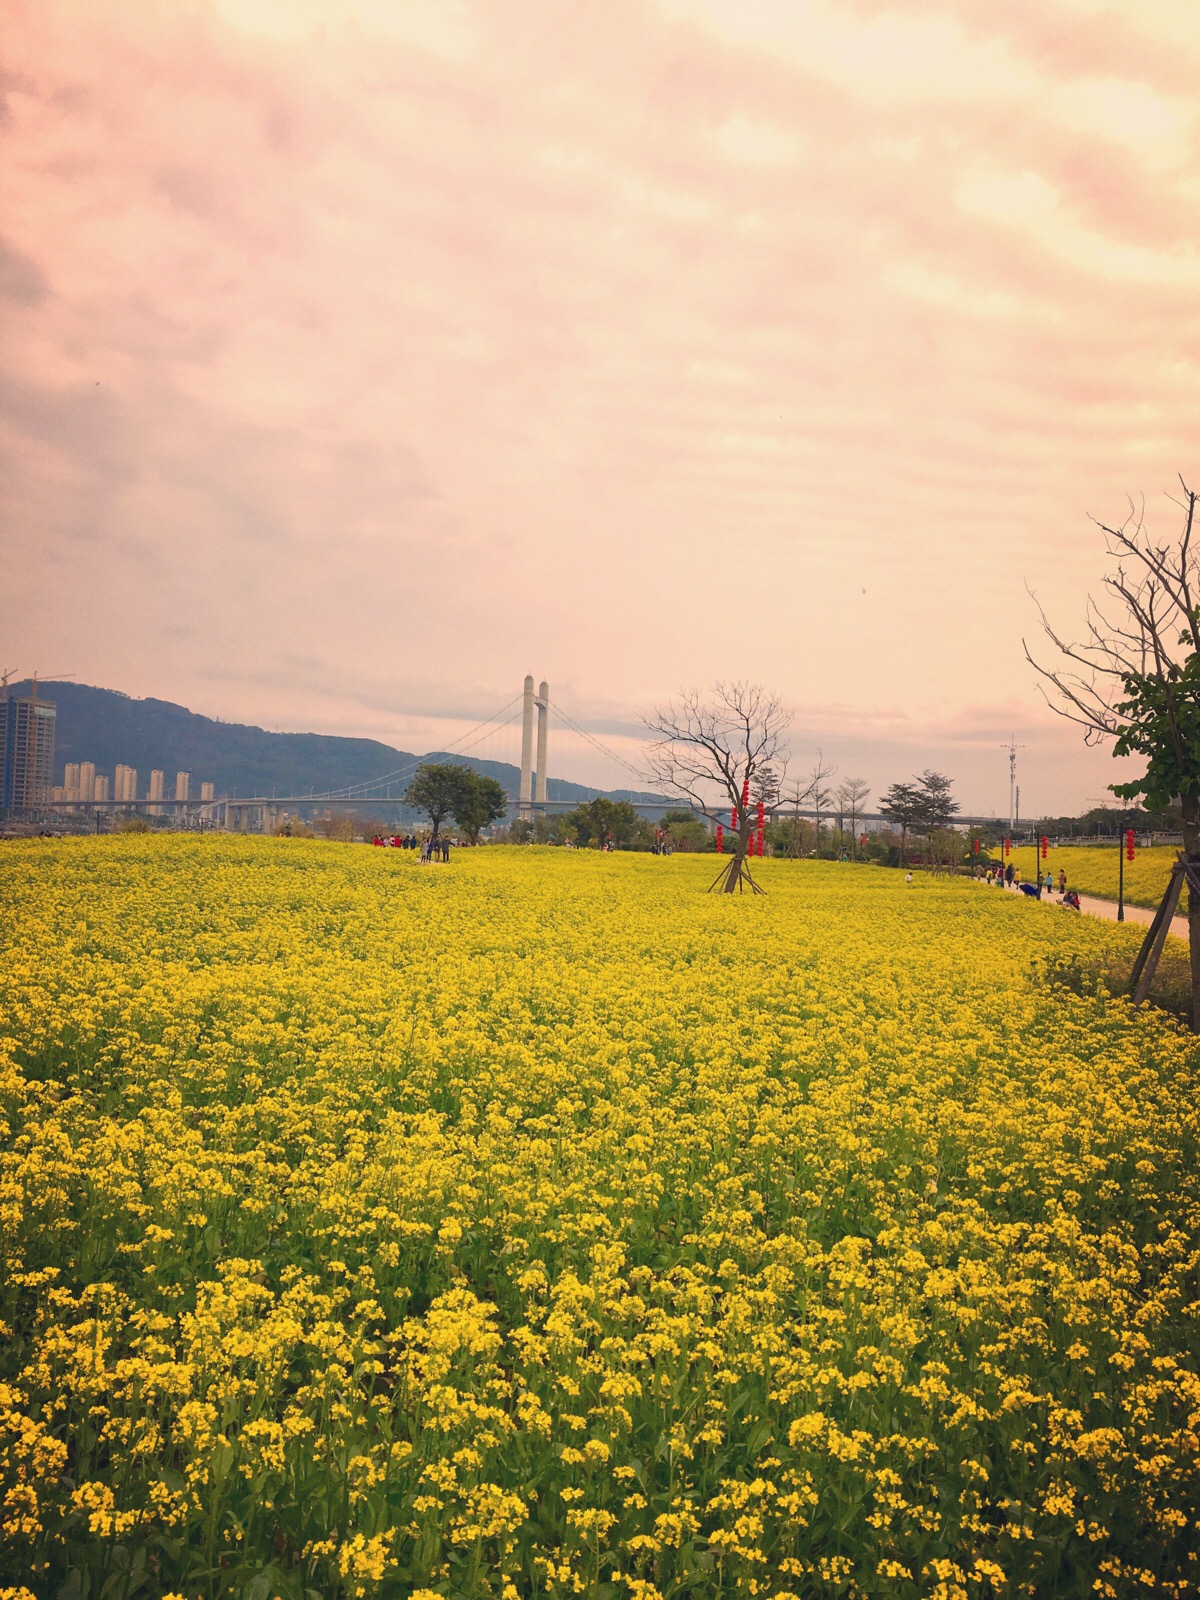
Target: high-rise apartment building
column 183, row 782
column 87, row 780
column 26, row 752
column 125, row 786
column 100, row 787
column 71, row 781
column 208, row 791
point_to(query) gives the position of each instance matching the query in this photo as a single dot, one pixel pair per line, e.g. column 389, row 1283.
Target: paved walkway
column 1142, row 914
column 1108, row 910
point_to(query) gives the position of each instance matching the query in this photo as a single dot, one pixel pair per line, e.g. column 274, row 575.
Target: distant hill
column 106, row 727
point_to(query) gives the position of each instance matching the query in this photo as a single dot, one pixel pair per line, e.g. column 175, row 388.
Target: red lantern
column 862, row 841
column 760, row 842
column 1129, row 844
column 975, row 847
column 1008, row 847
column 733, row 820
column 1045, row 847
column 720, row 840
column 745, row 794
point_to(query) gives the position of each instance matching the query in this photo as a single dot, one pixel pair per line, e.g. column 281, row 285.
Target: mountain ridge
column 108, row 726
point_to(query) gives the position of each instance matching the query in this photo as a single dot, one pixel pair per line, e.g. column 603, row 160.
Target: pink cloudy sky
column 362, row 357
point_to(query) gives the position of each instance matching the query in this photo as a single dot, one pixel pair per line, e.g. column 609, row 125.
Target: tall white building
column 87, row 780
column 71, row 781
column 99, row 787
column 208, row 791
column 125, row 785
column 183, row 782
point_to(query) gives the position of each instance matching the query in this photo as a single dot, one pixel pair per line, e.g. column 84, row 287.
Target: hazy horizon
column 363, row 357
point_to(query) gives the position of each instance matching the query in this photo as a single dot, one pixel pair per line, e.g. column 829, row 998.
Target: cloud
column 635, row 345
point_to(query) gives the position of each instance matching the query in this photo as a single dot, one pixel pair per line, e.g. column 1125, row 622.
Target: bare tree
column 335, row 825
column 717, row 753
column 852, row 794
column 1134, row 678
column 819, row 796
column 796, row 827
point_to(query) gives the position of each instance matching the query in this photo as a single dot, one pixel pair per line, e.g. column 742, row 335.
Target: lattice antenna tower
column 1012, row 747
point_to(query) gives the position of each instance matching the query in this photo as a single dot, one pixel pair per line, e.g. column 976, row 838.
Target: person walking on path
column 445, row 849
column 1062, row 881
column 1010, row 873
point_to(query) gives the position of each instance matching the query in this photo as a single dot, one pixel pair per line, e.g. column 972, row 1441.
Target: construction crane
column 42, row 677
column 38, row 677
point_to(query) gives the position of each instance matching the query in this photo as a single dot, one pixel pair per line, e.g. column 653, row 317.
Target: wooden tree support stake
column 1147, row 961
column 743, row 878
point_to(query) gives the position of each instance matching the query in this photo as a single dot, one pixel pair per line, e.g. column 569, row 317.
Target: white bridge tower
column 529, row 801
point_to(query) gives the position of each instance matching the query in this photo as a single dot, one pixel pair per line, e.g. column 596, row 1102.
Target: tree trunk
column 733, row 877
column 1190, row 807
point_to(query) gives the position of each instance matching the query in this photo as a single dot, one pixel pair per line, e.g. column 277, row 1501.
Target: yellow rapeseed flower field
column 1095, row 869
column 541, row 1225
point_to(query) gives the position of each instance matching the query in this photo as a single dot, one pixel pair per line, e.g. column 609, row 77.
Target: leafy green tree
column 582, row 824
column 599, row 820
column 923, row 806
column 1134, row 679
column 439, row 790
column 903, row 803
column 483, row 801
column 946, row 848
column 640, row 836
column 683, row 830
column 938, row 806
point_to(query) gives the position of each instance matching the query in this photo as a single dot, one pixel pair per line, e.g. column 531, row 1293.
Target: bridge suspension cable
column 597, row 744
column 360, row 791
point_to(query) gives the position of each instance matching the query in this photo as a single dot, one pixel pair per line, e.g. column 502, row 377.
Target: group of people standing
column 1009, row 878
column 431, row 849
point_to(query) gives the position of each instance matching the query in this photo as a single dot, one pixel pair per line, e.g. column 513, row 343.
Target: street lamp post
column 1120, row 857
